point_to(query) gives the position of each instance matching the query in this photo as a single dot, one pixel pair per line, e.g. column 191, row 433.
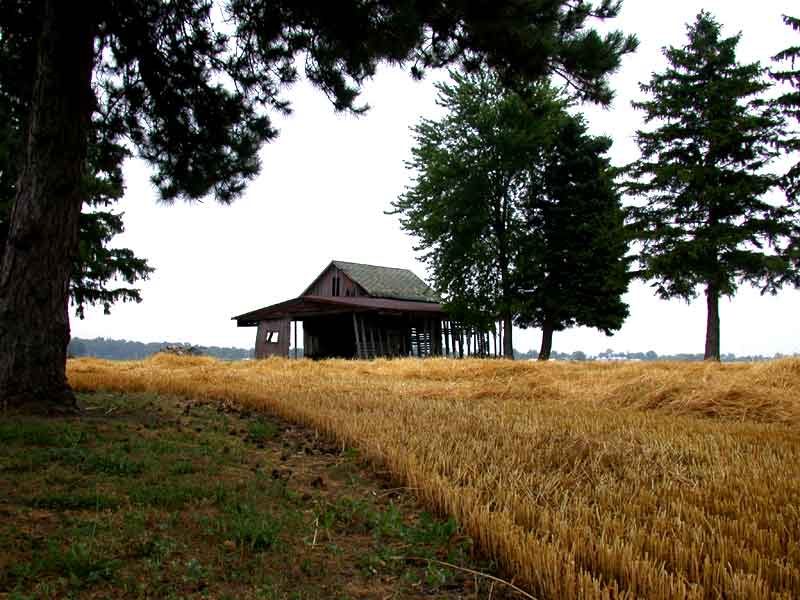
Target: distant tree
column 473, row 169
column 704, row 218
column 189, row 84
column 790, row 103
column 578, row 355
column 572, row 267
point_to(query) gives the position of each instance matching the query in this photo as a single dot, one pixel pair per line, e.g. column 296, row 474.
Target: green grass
column 147, row 497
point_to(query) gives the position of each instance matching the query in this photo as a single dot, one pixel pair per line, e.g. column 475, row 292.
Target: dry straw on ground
column 652, row 480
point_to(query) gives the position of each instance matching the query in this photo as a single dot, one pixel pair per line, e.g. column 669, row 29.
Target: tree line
column 650, row 355
column 129, row 350
column 521, row 217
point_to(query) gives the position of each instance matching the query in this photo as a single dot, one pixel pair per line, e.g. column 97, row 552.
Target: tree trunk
column 712, row 323
column 43, row 228
column 547, row 341
column 508, row 342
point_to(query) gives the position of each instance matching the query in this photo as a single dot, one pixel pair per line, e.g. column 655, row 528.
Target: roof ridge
column 347, row 262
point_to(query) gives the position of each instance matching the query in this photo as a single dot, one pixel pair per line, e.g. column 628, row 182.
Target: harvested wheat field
column 584, row 480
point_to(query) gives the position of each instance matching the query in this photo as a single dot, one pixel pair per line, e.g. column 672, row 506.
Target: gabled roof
column 387, row 282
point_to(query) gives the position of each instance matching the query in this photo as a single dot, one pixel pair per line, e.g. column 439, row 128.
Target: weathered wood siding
column 324, row 284
column 272, row 338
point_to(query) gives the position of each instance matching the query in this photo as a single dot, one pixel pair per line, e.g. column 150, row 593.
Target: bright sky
column 328, row 179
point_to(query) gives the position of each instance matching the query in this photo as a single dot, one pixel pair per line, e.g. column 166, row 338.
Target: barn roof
column 388, row 282
column 309, row 306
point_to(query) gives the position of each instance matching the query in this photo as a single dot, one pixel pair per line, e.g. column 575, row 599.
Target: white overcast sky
column 327, row 180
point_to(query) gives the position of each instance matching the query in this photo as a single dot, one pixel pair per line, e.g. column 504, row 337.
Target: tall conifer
column 704, row 216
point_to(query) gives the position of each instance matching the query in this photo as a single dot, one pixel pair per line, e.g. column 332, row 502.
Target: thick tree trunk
column 508, row 342
column 547, row 341
column 712, row 323
column 43, row 229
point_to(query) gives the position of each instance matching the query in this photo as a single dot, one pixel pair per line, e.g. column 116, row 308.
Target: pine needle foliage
column 704, row 214
column 101, row 274
column 790, row 103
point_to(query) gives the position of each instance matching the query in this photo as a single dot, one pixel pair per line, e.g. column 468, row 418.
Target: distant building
column 353, row 310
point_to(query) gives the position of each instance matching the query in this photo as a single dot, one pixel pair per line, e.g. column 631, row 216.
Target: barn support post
column 295, row 339
column 380, row 342
column 358, row 340
column 446, row 331
column 363, row 336
column 373, row 347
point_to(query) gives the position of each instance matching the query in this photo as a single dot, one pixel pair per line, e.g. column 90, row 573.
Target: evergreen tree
column 98, row 272
column 192, row 98
column 473, row 169
column 790, row 104
column 571, row 268
column 705, row 218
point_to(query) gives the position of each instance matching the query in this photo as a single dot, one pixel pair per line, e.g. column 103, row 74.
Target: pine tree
column 99, row 273
column 790, row 104
column 192, row 98
column 572, row 267
column 704, row 216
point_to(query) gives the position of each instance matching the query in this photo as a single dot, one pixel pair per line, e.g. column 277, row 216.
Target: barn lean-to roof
column 385, row 282
column 306, row 306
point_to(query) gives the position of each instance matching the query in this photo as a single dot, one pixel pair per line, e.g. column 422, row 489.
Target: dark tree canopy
column 704, row 216
column 515, row 209
column 189, row 86
column 98, row 272
column 790, row 104
column 193, row 96
column 572, row 268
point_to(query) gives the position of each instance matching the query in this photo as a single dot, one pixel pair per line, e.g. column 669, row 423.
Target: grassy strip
column 149, row 497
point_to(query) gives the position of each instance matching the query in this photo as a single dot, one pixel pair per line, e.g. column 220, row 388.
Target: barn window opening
column 335, row 286
column 271, row 337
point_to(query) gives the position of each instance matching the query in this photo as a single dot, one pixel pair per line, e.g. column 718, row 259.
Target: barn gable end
column 341, row 278
column 333, row 282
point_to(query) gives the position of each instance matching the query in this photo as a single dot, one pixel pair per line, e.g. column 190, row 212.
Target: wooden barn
column 353, row 310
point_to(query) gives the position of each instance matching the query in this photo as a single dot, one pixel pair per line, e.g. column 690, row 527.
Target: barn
column 354, row 310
